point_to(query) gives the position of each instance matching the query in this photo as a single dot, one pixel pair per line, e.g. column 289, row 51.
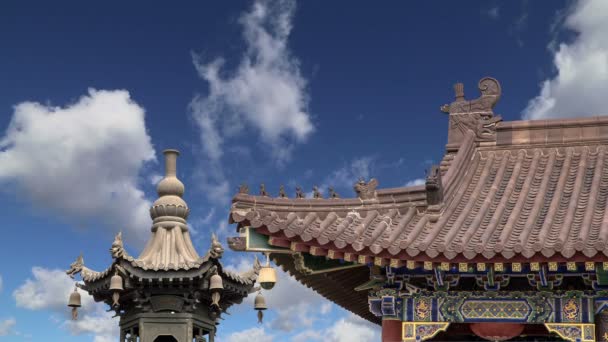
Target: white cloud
column 351, row 328
column 81, row 161
column 347, row 175
column 580, row 86
column 295, row 305
column 6, row 326
column 257, row 334
column 50, row 289
column 493, row 12
column 100, row 324
column 266, row 92
column 414, row 182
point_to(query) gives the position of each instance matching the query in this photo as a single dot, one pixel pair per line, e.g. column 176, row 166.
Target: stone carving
column 333, row 193
column 217, row 250
column 366, row 190
column 243, row 189
column 142, row 300
column 316, row 193
column 434, row 186
column 476, row 115
column 117, row 250
column 237, row 243
column 299, row 192
column 263, row 190
column 75, row 267
column 282, row 193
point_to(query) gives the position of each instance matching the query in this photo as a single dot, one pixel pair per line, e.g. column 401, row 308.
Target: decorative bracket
column 422, row 331
column 575, row 332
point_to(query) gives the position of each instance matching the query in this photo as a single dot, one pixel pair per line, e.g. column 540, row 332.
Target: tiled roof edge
column 555, row 131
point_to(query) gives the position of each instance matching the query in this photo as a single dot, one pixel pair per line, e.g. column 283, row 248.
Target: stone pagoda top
column 169, row 275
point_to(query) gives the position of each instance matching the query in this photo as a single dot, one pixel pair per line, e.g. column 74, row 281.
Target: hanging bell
column 260, row 302
column 268, row 275
column 74, row 302
column 215, row 283
column 116, row 283
column 260, row 305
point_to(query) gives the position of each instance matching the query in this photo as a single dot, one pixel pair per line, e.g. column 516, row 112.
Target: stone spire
column 170, row 245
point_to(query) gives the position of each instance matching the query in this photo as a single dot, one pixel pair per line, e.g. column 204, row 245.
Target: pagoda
column 169, row 292
column 506, row 240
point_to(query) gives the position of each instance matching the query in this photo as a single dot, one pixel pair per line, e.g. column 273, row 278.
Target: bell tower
column 169, row 292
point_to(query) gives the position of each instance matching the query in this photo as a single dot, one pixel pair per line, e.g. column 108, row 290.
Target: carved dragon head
column 117, row 250
column 216, row 250
column 75, row 267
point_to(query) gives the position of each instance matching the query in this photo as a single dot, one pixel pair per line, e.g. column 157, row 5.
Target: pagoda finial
column 170, row 243
column 170, row 185
column 170, row 191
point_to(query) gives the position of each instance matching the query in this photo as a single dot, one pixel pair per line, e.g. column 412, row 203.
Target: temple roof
column 503, row 191
column 515, row 192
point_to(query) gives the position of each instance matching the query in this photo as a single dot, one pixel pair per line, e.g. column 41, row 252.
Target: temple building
column 168, row 293
column 507, row 239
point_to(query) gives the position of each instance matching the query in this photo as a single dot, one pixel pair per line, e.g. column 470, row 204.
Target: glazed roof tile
column 538, row 189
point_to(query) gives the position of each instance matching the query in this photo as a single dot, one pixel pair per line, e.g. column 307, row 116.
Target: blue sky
column 305, row 93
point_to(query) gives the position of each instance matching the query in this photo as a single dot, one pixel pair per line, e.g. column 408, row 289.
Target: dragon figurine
column 476, row 115
column 217, row 250
column 282, row 193
column 316, row 193
column 434, row 186
column 117, row 250
column 366, row 190
column 299, row 192
column 75, row 267
column 237, row 243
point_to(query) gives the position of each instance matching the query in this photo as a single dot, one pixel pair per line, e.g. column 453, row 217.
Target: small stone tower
column 169, row 292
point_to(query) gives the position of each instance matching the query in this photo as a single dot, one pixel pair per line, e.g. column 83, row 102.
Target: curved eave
column 337, row 286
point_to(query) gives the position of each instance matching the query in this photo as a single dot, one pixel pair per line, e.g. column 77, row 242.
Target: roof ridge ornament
column 434, row 193
column 366, row 190
column 475, row 115
column 117, row 250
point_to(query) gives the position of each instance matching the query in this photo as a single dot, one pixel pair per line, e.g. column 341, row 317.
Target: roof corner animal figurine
column 366, row 190
column 299, row 192
column 434, row 186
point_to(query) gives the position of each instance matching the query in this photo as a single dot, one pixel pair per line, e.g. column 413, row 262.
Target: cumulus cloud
column 7, row 325
column 295, row 305
column 414, row 182
column 492, row 12
column 580, row 84
column 83, row 160
column 49, row 290
column 350, row 328
column 251, row 334
column 266, row 92
column 345, row 177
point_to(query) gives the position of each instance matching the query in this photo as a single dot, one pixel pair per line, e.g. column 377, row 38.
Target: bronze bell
column 116, row 283
column 267, row 277
column 215, row 283
column 74, row 301
column 260, row 302
column 260, row 305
